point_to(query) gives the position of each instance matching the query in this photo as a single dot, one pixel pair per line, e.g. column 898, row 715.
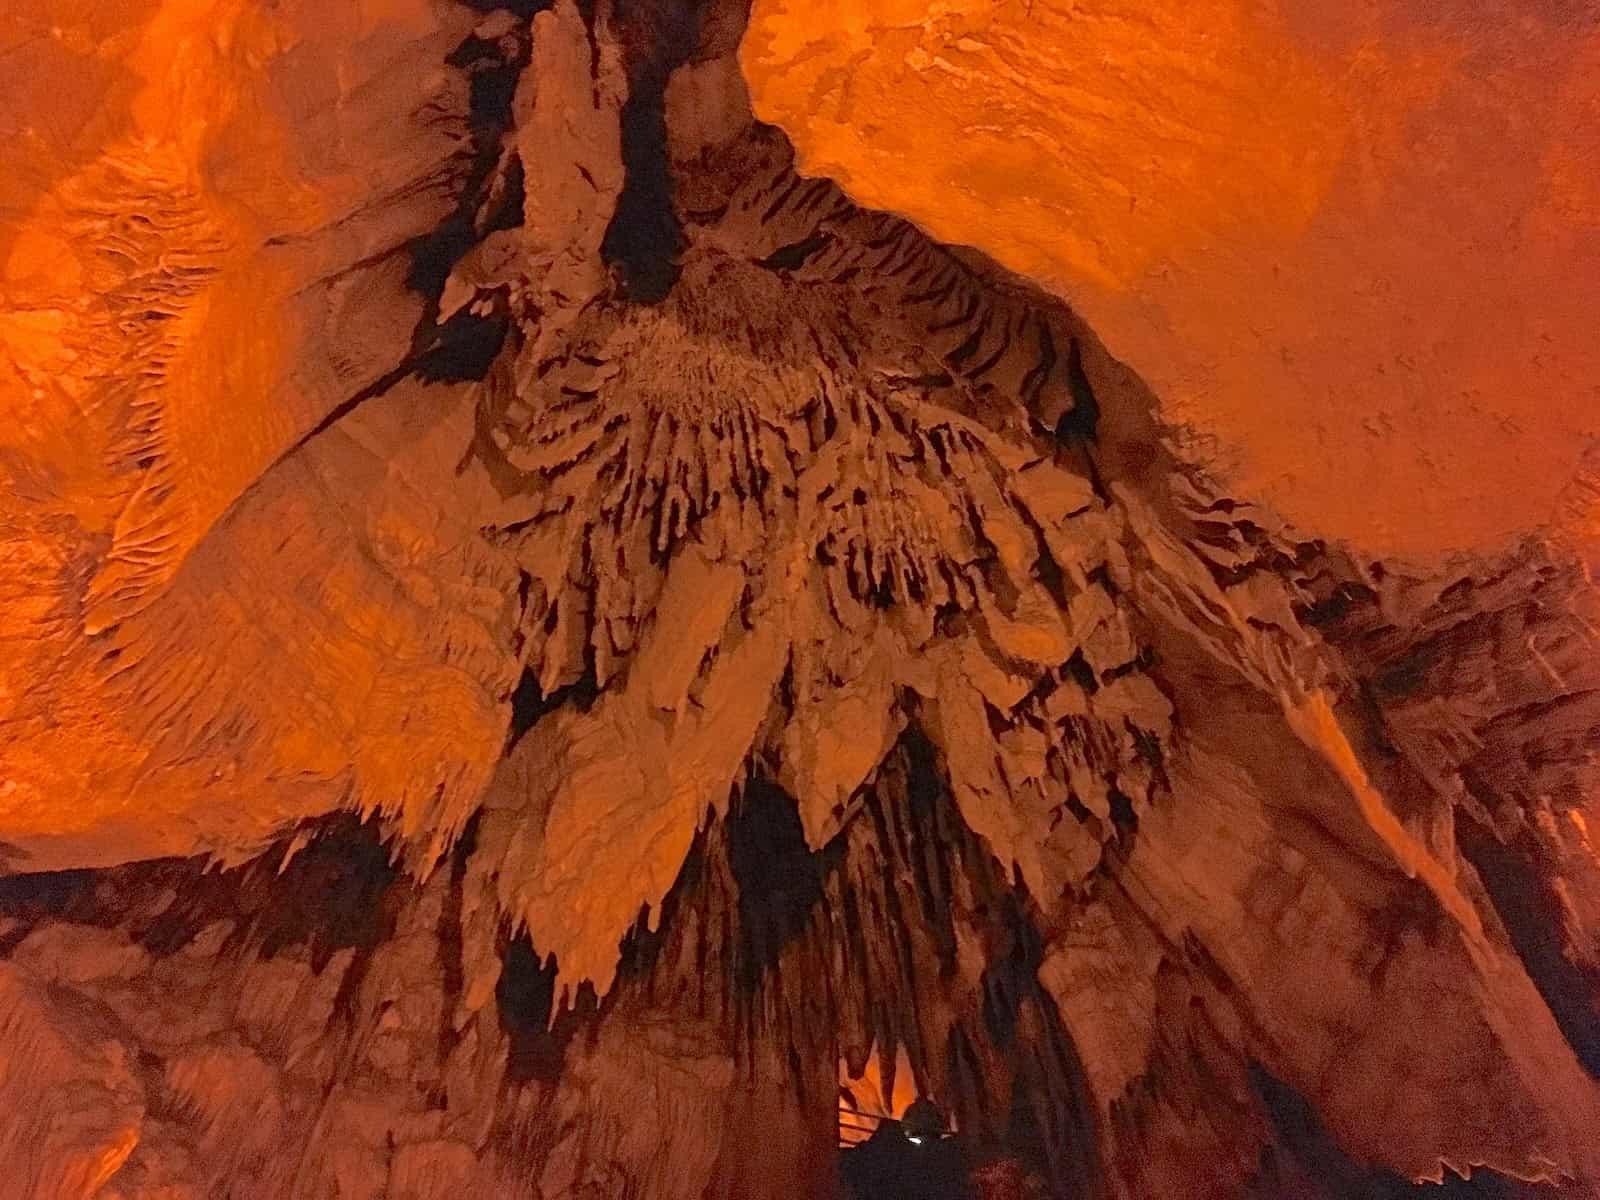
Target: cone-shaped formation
column 733, row 635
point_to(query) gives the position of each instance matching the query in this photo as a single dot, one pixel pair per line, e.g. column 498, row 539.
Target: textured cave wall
column 208, row 238
column 1354, row 249
column 540, row 635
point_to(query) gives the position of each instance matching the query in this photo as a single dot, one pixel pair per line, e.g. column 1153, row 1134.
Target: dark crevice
column 529, row 703
column 494, row 68
column 1034, row 382
column 925, row 793
column 1101, row 576
column 586, row 12
column 1304, row 1156
column 1082, row 673
column 510, row 210
column 521, row 9
column 644, row 239
column 1333, row 608
column 525, row 998
column 1532, row 913
column 1123, row 818
column 1403, row 677
column 452, row 961
column 339, row 891
column 796, row 254
column 1144, row 660
column 778, row 877
column 465, row 347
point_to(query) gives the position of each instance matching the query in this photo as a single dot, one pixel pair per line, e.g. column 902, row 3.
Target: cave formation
column 551, row 649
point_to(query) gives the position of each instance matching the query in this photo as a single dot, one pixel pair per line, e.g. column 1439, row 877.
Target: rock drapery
column 537, row 630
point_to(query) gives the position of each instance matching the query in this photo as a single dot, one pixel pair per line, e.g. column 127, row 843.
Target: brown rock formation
column 1354, row 249
column 540, row 639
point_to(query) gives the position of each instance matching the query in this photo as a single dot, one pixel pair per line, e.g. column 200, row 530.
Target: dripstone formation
column 713, row 639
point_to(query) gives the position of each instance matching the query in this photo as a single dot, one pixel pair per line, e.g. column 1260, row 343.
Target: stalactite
column 735, row 639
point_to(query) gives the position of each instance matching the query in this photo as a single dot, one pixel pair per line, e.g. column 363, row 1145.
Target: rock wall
column 541, row 630
column 1353, row 249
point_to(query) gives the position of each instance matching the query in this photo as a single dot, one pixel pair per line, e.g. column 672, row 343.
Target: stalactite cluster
column 733, row 641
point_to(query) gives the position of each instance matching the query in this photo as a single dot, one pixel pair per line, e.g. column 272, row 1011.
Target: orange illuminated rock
column 539, row 642
column 1356, row 253
column 205, row 254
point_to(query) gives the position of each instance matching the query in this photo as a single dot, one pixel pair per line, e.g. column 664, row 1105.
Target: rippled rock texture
column 1354, row 250
column 540, row 639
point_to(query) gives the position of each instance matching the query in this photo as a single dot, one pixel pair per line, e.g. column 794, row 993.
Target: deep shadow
column 338, row 892
column 889, row 1166
column 1533, row 916
column 525, row 996
column 1306, row 1162
column 529, row 703
column 644, row 239
column 779, row 878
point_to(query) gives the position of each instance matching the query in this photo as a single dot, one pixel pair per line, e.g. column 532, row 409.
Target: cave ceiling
column 575, row 575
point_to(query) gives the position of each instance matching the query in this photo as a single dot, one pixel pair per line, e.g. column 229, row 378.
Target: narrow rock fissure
column 1534, row 918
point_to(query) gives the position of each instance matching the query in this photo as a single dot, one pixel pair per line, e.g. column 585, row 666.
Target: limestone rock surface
column 1354, row 249
column 554, row 643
